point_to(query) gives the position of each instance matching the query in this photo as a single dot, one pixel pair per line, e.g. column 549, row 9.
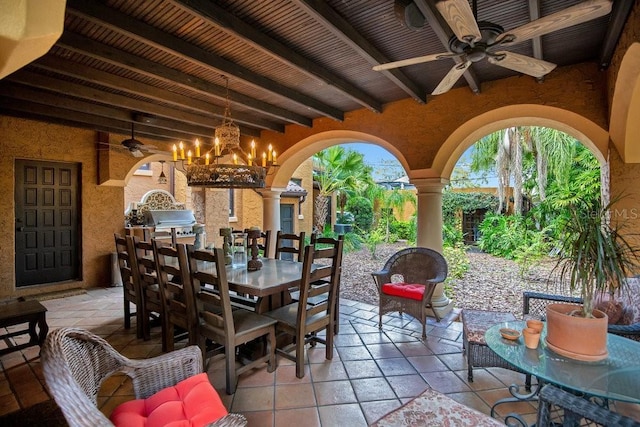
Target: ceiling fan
column 134, row 146
column 474, row 41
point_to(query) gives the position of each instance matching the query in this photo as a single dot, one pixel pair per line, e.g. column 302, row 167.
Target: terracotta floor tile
column 294, row 396
column 414, row 349
column 253, row 399
column 362, row 369
column 260, row 418
column 294, row 417
column 368, row 389
column 334, row 392
column 373, row 411
column 334, row 371
column 342, row 415
column 384, row 351
column 427, row 363
column 407, row 385
column 445, row 382
column 354, row 353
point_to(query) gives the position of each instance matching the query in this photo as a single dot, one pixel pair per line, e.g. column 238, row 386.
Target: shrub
column 362, row 210
column 457, row 263
column 403, row 229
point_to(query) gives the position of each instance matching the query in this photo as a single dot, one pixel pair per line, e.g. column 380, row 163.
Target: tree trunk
column 319, row 216
column 516, row 148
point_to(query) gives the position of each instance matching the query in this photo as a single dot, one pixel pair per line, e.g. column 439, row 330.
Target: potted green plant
column 595, row 258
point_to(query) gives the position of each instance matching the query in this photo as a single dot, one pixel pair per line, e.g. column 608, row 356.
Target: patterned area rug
column 43, row 414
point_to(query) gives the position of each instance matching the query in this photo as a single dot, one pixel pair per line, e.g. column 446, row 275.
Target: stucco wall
column 417, row 131
column 101, row 209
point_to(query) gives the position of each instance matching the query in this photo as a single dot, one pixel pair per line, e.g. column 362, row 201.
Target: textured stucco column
column 429, row 229
column 271, row 213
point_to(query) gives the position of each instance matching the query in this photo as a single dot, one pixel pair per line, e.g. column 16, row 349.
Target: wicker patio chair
column 574, row 409
column 421, row 269
column 535, row 303
column 76, row 362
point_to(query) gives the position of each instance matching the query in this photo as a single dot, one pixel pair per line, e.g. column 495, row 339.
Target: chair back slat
column 290, row 246
column 209, row 278
column 176, row 290
column 321, row 283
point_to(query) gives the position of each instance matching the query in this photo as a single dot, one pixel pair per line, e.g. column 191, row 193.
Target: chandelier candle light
column 245, row 171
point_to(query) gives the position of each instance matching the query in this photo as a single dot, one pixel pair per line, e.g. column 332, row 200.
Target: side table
column 15, row 313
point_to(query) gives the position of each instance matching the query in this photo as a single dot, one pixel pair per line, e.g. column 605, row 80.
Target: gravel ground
column 491, row 283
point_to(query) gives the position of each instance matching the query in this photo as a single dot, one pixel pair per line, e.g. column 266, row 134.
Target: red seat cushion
column 404, row 290
column 190, row 403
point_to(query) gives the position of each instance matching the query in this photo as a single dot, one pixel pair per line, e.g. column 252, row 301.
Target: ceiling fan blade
column 136, row 153
column 523, row 64
column 451, row 78
column 583, row 12
column 459, row 16
column 412, row 61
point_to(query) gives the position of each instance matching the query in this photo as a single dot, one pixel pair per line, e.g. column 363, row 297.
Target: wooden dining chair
column 302, row 320
column 222, row 324
column 143, row 269
column 289, row 246
column 130, row 291
column 264, row 242
column 177, row 293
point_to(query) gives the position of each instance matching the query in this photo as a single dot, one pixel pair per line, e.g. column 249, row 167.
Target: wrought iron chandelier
column 244, row 171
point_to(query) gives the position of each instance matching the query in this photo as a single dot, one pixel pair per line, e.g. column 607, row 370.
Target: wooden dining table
column 270, row 285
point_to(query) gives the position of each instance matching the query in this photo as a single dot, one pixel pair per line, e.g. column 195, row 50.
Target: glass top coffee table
column 617, row 377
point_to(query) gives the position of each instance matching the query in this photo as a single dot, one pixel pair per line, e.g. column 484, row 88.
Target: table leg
column 513, row 419
column 44, row 329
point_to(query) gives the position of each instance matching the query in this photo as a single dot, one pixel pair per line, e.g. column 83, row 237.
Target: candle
column 181, row 145
column 216, row 146
column 253, row 149
column 274, row 159
column 175, row 153
column 197, row 148
column 269, row 153
column 206, row 159
column 249, row 160
column 189, row 157
column 235, row 159
column 264, row 160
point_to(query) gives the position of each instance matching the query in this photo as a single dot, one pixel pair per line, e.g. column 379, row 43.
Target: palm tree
column 336, row 170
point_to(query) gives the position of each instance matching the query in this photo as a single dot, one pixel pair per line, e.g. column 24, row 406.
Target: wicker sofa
column 534, row 304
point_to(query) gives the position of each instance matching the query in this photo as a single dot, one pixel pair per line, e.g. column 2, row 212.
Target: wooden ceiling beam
column 86, row 73
column 84, row 92
column 534, row 13
column 217, row 16
column 119, row 58
column 86, row 120
column 444, row 33
column 342, row 29
column 138, row 30
column 24, row 93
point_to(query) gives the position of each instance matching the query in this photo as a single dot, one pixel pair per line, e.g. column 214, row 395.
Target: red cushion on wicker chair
column 190, row 403
column 405, row 290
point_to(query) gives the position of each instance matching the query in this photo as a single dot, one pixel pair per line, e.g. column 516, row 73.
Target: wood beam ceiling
column 215, row 15
column 342, row 29
column 124, row 24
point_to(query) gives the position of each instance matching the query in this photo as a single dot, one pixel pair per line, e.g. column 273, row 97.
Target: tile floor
column 371, row 373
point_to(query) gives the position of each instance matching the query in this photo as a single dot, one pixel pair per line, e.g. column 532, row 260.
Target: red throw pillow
column 190, row 403
column 404, row 290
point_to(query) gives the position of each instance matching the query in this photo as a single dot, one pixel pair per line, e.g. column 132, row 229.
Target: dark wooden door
column 46, row 212
column 286, row 225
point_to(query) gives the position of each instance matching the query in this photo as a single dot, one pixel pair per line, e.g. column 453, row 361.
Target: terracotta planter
column 576, row 337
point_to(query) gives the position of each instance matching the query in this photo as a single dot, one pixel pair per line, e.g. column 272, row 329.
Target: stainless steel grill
column 171, row 224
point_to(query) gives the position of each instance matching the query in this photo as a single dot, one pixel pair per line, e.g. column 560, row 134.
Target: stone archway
column 625, row 106
column 307, row 147
column 584, row 130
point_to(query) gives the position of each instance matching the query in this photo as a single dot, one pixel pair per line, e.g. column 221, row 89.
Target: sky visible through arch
column 387, row 168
